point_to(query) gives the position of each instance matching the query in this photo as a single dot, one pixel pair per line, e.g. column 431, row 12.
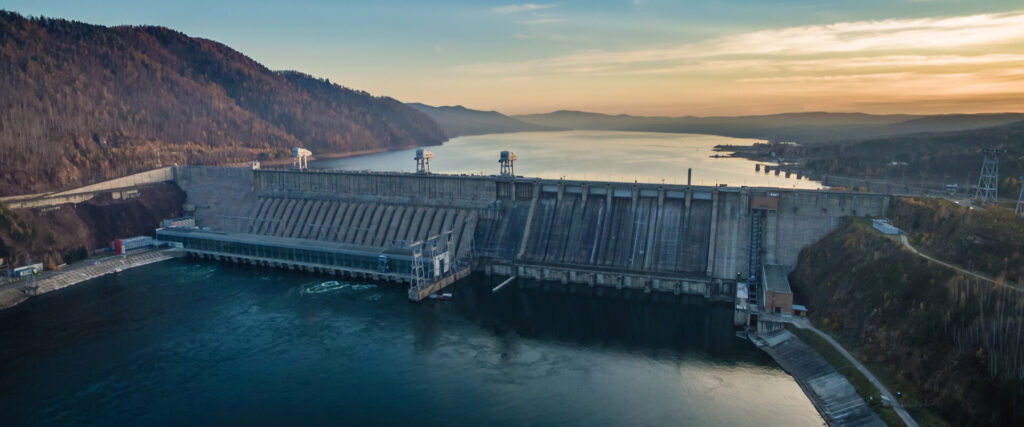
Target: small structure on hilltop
column 507, row 161
column 301, row 157
column 423, row 160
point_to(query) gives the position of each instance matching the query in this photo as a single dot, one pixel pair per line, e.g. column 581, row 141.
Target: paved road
column 906, row 244
column 803, row 323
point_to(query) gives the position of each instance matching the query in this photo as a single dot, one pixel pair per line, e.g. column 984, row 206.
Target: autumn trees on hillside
column 84, row 102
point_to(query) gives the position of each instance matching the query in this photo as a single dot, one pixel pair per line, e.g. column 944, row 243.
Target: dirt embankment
column 948, row 341
column 72, row 232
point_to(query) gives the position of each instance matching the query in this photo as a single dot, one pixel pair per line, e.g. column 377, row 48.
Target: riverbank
column 831, row 393
column 14, row 293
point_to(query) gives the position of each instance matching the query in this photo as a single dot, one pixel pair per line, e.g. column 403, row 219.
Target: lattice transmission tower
column 988, row 182
column 1020, row 199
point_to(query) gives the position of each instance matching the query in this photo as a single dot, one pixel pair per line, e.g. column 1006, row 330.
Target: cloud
column 843, row 64
column 893, row 34
column 539, row 21
column 922, row 65
column 517, row 8
column 885, row 40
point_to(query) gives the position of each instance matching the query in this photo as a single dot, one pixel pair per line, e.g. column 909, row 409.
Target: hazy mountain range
column 460, row 121
column 800, row 127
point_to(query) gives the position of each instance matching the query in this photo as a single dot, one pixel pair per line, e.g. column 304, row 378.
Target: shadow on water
column 602, row 317
column 607, row 318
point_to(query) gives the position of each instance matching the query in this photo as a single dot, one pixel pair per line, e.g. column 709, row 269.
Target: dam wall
column 679, row 230
column 219, row 198
column 669, row 237
column 329, row 207
column 360, row 223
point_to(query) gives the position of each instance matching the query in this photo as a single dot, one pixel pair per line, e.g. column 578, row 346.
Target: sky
column 641, row 57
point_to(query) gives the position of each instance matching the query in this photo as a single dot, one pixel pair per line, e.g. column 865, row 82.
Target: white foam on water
column 325, row 287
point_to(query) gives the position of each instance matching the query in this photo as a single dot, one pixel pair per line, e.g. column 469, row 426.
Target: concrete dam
column 682, row 239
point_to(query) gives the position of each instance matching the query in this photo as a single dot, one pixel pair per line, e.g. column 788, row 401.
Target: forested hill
column 81, row 102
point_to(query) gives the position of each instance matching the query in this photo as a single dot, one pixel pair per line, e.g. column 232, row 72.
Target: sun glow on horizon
column 969, row 63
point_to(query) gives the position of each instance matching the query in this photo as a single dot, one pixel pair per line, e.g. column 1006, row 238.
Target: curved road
column 906, row 244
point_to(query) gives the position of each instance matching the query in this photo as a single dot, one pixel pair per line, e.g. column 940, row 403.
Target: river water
column 650, row 157
column 186, row 342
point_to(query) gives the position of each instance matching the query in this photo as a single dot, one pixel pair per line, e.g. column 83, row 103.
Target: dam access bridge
column 696, row 240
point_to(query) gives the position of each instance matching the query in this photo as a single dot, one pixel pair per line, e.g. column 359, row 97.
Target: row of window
column 372, row 262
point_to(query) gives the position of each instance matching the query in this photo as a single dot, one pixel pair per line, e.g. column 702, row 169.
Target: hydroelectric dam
column 430, row 230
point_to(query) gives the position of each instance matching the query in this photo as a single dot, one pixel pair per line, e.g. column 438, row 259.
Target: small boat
column 324, row 287
column 117, row 270
column 442, row 296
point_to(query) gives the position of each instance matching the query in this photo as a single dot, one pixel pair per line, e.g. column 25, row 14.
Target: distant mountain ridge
column 82, row 102
column 460, row 121
column 808, row 127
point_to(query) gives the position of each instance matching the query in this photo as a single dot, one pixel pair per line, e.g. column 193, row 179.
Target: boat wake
column 334, row 286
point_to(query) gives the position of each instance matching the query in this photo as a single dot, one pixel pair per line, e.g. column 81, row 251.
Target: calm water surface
column 186, row 342
column 596, row 155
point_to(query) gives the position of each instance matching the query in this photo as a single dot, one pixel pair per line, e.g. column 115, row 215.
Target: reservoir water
column 650, row 157
column 185, row 342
